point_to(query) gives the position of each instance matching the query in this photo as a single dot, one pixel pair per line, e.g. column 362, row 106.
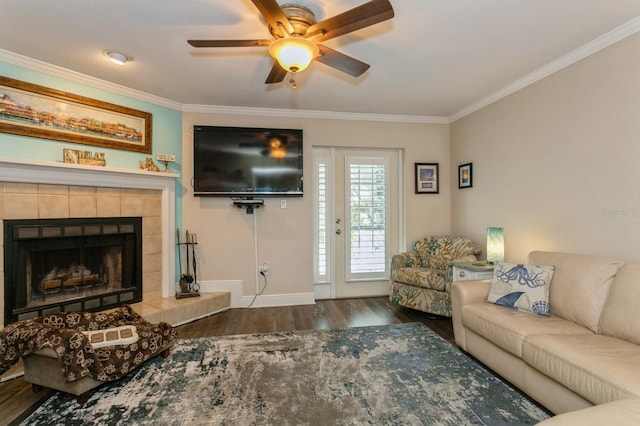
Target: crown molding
column 329, row 115
column 67, row 74
column 56, row 71
column 629, row 28
column 625, row 30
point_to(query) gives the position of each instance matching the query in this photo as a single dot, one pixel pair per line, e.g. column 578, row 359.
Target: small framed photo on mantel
column 465, row 177
column 427, row 180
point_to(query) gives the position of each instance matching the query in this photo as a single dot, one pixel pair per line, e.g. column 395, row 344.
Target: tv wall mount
column 248, row 203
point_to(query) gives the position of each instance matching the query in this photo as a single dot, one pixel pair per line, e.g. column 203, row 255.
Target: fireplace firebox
column 67, row 265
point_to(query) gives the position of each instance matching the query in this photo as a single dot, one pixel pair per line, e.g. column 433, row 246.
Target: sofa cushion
column 598, row 368
column 580, row 284
column 421, row 277
column 507, row 328
column 621, row 313
column 523, row 287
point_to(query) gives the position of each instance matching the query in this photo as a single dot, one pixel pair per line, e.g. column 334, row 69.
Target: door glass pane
column 321, row 241
column 367, row 218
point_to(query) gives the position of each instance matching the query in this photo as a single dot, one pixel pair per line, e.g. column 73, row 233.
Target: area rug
column 401, row 374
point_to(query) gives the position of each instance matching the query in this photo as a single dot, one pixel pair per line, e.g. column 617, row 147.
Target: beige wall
column 557, row 163
column 285, row 236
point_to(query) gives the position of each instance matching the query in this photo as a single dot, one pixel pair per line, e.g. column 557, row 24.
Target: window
column 321, row 219
column 367, row 221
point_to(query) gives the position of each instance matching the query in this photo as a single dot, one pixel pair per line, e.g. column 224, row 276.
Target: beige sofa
column 586, row 353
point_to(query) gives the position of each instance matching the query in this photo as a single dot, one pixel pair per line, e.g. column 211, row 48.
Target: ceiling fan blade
column 341, row 62
column 228, row 43
column 359, row 17
column 274, row 15
column 277, row 74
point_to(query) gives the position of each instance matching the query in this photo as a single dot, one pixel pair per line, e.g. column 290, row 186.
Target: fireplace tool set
column 189, row 286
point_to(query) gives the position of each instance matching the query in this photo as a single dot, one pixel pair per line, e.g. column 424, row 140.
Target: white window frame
column 323, row 157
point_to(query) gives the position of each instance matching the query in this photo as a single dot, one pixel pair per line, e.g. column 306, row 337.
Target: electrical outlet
column 264, row 269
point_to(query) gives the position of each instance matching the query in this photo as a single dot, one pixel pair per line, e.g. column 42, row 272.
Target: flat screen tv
column 247, row 162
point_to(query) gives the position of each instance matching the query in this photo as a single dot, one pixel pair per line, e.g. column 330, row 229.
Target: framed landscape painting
column 465, row 178
column 427, row 181
column 30, row 110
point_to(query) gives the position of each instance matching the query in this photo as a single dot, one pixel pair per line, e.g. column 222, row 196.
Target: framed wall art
column 40, row 112
column 427, row 179
column 76, row 156
column 465, row 176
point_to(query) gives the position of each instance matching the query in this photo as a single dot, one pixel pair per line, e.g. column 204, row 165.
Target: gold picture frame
column 28, row 109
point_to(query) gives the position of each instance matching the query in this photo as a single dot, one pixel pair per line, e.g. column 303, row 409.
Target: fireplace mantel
column 51, row 172
column 37, row 171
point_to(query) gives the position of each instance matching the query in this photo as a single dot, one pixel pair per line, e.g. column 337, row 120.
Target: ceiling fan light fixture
column 293, row 53
column 276, row 148
column 278, row 153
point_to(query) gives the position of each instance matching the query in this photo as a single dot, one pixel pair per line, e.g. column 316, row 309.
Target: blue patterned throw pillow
column 523, row 287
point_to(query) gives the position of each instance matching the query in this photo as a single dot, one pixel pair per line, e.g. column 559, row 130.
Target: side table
column 463, row 271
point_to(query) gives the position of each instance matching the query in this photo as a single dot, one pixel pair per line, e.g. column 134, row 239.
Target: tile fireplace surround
column 45, row 190
column 32, row 189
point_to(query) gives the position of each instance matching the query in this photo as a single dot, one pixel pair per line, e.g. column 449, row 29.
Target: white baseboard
column 232, row 286
column 238, row 300
column 270, row 300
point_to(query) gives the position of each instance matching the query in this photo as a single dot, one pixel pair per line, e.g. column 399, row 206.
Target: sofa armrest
column 409, row 259
column 467, row 258
column 620, row 412
column 464, row 293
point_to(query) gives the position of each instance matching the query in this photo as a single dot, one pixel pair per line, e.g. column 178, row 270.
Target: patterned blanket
column 62, row 332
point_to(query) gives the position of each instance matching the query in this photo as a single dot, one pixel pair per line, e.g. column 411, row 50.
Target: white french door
column 357, row 220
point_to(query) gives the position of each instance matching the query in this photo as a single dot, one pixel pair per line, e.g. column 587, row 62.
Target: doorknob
column 338, row 231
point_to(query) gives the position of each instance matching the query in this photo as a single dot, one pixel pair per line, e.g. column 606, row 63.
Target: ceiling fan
column 270, row 144
column 297, row 34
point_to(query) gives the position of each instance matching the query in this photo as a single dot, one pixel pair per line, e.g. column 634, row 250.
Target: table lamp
column 495, row 245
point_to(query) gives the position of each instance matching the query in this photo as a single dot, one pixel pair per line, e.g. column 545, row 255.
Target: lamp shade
column 293, row 53
column 495, row 244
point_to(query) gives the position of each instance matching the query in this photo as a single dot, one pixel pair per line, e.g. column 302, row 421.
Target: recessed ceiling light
column 117, row 58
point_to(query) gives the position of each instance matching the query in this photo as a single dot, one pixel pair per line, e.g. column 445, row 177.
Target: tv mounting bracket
column 248, row 203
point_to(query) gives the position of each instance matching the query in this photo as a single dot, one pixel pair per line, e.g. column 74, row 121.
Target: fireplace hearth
column 64, row 265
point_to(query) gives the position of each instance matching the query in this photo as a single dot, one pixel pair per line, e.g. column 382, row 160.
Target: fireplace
column 77, row 264
column 53, row 190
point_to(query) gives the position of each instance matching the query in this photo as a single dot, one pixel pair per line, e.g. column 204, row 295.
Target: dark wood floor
column 325, row 314
column 16, row 398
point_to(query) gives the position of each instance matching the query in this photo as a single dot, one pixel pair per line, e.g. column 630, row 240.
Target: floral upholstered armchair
column 421, row 279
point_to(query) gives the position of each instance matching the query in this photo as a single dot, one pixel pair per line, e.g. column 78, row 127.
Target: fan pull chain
column 292, row 80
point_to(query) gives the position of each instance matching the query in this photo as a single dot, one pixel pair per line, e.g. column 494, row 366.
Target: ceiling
column 434, row 59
